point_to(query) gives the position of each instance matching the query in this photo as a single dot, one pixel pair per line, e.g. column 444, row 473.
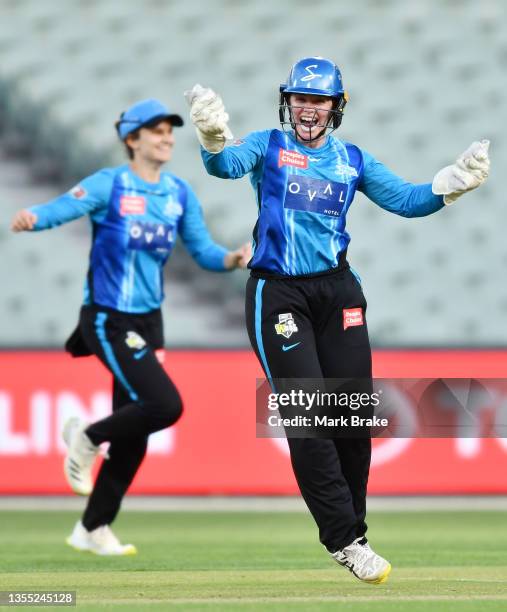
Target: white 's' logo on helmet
column 311, row 75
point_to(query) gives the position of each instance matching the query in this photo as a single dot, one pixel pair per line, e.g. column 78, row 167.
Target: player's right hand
column 238, row 258
column 207, row 113
column 23, row 221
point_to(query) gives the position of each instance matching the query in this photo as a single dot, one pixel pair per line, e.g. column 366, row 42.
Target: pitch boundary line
column 257, row 503
column 296, row 599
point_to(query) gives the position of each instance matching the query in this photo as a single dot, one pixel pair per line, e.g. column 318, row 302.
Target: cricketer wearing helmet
column 305, row 307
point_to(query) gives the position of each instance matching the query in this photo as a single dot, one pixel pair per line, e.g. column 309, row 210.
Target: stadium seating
column 425, row 79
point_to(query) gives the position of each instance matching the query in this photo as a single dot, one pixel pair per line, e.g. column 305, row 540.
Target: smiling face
column 153, row 144
column 310, row 115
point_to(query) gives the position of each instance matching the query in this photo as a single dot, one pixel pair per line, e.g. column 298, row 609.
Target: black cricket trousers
column 145, row 400
column 297, row 329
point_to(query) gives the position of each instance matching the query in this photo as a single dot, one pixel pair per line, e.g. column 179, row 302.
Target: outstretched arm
column 89, row 196
column 207, row 113
column 392, row 193
column 238, row 159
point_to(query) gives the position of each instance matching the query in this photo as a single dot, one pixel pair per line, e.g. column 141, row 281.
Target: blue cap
column 142, row 113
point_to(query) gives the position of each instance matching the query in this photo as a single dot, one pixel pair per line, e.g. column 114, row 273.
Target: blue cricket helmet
column 314, row 76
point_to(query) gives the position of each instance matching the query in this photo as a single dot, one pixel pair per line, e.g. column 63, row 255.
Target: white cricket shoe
column 363, row 562
column 100, row 541
column 81, row 455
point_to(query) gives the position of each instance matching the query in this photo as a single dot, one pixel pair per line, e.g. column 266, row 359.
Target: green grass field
column 449, row 561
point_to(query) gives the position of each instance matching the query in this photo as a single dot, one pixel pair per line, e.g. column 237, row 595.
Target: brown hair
column 130, row 151
column 134, row 134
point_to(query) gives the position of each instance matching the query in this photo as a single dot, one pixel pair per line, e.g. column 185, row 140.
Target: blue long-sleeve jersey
column 303, row 196
column 134, row 228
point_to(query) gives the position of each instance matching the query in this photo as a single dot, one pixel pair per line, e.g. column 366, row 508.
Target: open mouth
column 306, row 123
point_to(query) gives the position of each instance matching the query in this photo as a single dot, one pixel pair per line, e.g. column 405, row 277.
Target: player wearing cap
column 136, row 211
column 301, row 286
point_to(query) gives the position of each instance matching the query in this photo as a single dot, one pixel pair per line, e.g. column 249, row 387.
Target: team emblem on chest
column 173, row 208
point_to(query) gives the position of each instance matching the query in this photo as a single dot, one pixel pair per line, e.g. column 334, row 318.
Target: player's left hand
column 469, row 171
column 238, row 258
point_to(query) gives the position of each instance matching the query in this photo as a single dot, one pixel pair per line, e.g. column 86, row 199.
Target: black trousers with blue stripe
column 296, row 328
column 145, row 400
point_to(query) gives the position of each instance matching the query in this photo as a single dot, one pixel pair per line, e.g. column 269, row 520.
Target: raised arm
column 210, row 119
column 239, row 158
column 90, row 196
column 392, row 193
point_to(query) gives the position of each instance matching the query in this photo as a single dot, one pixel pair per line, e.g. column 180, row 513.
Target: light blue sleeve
column 394, row 194
column 195, row 235
column 238, row 159
column 89, row 197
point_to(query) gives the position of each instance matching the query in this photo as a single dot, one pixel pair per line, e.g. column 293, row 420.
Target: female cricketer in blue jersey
column 136, row 211
column 305, row 308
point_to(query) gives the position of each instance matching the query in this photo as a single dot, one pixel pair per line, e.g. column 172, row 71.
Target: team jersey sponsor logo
column 151, row 236
column 352, row 317
column 292, row 158
column 315, row 195
column 78, row 192
column 134, row 340
column 238, row 142
column 286, row 325
column 132, row 205
column 345, row 170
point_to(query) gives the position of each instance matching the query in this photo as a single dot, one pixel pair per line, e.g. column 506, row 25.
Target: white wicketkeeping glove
column 207, row 113
column 470, row 170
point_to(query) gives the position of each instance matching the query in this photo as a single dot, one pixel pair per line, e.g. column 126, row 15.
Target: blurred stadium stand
column 425, row 79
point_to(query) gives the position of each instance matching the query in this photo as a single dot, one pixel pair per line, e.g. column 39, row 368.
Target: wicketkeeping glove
column 207, row 113
column 469, row 171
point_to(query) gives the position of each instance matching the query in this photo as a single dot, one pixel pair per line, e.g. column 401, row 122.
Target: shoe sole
column 68, row 541
column 129, row 552
column 382, row 578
